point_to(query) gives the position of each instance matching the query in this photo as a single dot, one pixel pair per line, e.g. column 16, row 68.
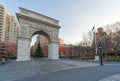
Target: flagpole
column 95, row 44
column 95, row 38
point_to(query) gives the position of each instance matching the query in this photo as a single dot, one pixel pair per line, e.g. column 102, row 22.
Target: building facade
column 2, row 22
column 8, row 33
column 8, row 26
column 8, row 49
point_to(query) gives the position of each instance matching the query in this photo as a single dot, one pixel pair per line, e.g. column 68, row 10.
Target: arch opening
column 42, row 39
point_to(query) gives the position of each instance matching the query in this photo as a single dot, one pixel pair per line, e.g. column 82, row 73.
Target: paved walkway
column 57, row 70
column 13, row 70
column 112, row 78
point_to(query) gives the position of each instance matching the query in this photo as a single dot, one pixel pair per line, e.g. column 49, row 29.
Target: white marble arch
column 34, row 23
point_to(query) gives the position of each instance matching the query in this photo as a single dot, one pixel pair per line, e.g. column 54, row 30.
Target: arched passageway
column 42, row 39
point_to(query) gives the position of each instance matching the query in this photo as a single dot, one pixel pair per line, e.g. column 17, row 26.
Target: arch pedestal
column 24, row 50
column 53, row 51
column 23, row 53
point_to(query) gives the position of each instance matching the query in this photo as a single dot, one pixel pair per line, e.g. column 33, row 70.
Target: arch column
column 23, row 53
column 53, row 52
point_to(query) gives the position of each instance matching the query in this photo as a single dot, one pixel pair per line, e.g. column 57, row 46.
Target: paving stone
column 56, row 70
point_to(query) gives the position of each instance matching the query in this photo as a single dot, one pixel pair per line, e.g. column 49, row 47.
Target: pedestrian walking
column 3, row 60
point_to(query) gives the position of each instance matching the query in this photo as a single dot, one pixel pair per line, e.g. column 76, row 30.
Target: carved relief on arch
column 55, row 36
column 32, row 30
column 24, row 30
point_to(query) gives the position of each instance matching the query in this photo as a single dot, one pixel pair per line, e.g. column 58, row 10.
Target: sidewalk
column 13, row 70
column 112, row 78
column 42, row 69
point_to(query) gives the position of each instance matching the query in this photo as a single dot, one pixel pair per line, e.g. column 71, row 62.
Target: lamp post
column 100, row 54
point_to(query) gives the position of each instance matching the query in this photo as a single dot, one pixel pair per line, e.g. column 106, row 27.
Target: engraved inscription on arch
column 38, row 16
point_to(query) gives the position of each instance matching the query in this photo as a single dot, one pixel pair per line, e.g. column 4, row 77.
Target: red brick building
column 8, row 49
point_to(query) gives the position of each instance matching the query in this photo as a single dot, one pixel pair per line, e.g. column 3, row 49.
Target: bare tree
column 87, row 39
column 112, row 27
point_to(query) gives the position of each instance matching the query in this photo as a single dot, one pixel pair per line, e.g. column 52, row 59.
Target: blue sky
column 76, row 16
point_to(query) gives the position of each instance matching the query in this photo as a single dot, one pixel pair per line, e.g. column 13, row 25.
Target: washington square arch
column 32, row 23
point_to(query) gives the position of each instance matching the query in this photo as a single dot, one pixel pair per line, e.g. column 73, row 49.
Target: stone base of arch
column 53, row 51
column 23, row 53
